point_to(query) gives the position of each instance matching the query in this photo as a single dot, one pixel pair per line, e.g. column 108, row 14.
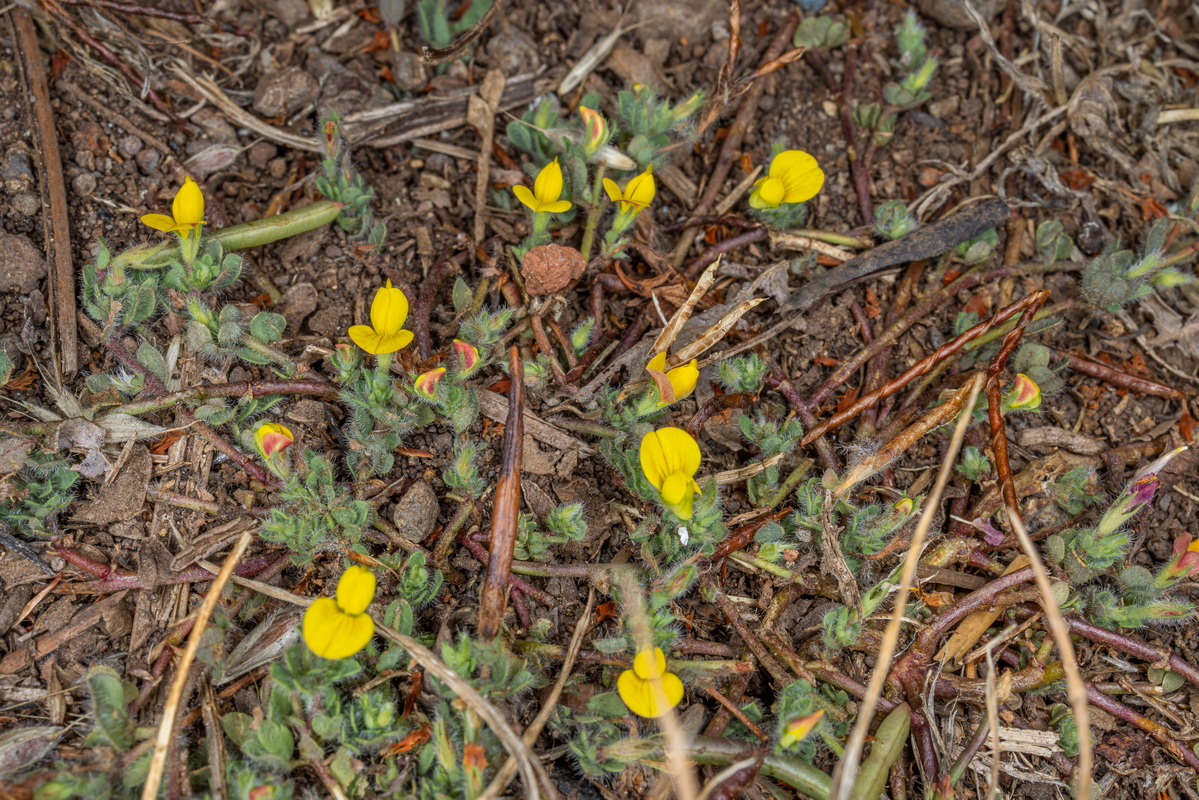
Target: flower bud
column 797, row 729
column 1024, row 395
column 271, row 438
column 426, row 384
column 595, row 130
column 468, row 356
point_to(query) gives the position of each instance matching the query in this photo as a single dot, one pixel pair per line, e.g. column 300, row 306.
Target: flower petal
column 653, row 460
column 548, row 186
column 331, row 633
column 556, row 206
column 683, row 379
column 396, row 341
column 614, row 193
column 641, row 189
column 365, row 337
column 389, row 310
column 188, row 206
column 524, row 195
column 658, row 362
column 650, row 663
column 800, row 174
column 678, row 494
column 355, row 589
column 160, row 222
column 682, row 450
column 649, row 698
column 768, row 193
column 634, row 691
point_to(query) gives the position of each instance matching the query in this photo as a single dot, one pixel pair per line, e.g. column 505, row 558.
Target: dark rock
column 16, row 171
column 284, row 92
column 22, row 266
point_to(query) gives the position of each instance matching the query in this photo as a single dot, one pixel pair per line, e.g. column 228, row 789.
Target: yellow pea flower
column 389, row 311
column 673, row 384
column 271, row 438
column 637, row 194
column 793, row 177
column 1024, row 395
column 648, row 689
column 187, row 210
column 339, row 627
column 670, row 458
column 426, row 383
column 547, row 191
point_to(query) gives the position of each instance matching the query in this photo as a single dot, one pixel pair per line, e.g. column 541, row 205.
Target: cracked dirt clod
column 551, row 268
column 22, row 266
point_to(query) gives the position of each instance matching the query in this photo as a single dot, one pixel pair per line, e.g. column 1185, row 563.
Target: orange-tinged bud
column 426, row 383
column 271, row 438
column 468, row 355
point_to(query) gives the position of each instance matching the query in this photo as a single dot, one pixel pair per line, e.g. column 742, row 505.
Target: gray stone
column 408, row 71
column 26, row 204
column 512, row 51
column 952, row 13
column 22, row 266
column 679, row 19
column 284, row 92
column 131, row 145
column 84, row 184
column 148, row 160
column 415, row 516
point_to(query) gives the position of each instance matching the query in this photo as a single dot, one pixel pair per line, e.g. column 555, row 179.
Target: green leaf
column 462, row 295
column 153, row 361
column 110, row 707
column 267, row 327
column 252, row 356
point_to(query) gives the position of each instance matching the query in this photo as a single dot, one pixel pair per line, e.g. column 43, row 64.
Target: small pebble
column 147, row 160
column 26, row 204
column 278, row 167
column 131, row 145
column 84, row 184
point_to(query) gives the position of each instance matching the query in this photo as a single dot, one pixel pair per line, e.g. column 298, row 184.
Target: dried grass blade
column 1076, row 690
column 847, row 769
column 671, row 331
column 714, row 334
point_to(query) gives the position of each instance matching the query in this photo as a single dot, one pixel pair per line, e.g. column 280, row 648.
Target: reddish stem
column 1080, row 363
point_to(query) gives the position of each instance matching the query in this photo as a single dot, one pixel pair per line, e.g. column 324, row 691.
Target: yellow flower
column 547, row 190
column 340, row 627
column 1024, row 395
column 673, row 384
column 271, row 438
column 389, row 311
column 793, row 177
column 637, row 194
column 648, row 689
column 670, row 458
column 187, row 210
